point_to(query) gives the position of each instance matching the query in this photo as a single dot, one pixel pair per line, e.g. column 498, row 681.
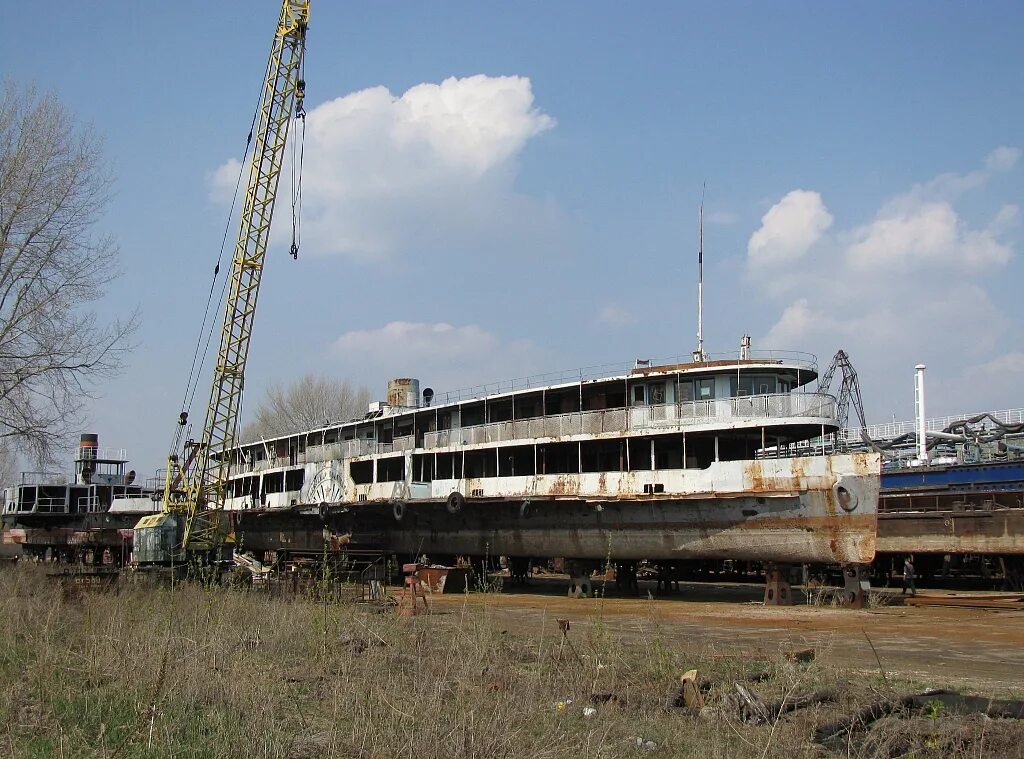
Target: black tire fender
column 398, row 510
column 456, row 501
column 526, row 509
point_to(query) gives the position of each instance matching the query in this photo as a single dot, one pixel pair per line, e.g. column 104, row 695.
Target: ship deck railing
column 51, row 505
column 88, row 503
column 44, row 478
column 942, row 503
column 101, row 454
column 743, row 409
column 890, row 430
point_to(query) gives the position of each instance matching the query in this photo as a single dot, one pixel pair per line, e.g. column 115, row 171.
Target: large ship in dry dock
column 659, row 460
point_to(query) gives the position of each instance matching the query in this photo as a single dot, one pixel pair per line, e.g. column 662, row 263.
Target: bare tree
column 310, row 402
column 54, row 186
column 8, row 467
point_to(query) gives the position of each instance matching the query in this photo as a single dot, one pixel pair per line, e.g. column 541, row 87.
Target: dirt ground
column 953, row 646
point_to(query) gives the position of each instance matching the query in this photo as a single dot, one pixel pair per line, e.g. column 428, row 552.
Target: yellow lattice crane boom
column 195, row 489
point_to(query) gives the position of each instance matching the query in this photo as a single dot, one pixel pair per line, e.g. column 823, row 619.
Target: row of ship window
column 632, row 454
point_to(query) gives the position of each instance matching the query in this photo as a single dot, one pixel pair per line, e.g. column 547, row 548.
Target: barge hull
column 947, row 532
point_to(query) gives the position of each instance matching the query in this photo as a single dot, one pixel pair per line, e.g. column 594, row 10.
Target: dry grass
column 195, row 672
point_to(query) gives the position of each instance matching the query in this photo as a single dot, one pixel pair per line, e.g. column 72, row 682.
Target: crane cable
column 296, row 166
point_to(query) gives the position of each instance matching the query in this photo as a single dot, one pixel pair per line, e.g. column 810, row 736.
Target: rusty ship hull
column 770, row 510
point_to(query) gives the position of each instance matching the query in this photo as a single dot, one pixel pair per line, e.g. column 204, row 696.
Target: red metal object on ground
column 443, row 579
column 412, row 600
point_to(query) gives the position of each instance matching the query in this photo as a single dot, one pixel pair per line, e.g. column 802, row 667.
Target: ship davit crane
column 849, row 393
column 192, row 522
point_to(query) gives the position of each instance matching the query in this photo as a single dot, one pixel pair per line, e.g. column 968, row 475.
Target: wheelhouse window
column 684, row 391
column 639, row 395
column 656, row 393
column 705, row 389
column 759, row 384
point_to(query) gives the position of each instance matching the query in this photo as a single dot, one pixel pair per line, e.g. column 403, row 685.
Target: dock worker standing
column 908, row 575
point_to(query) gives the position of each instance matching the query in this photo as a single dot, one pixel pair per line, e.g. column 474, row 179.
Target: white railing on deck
column 641, row 418
column 44, row 478
column 52, row 505
column 406, row 443
column 88, row 503
column 890, row 430
column 110, row 454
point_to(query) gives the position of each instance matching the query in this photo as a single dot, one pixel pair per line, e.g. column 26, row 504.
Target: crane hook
column 300, row 96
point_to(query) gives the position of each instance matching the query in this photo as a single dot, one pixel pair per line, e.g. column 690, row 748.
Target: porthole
column 845, row 497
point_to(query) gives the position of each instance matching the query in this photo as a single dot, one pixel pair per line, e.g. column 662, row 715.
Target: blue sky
column 538, row 211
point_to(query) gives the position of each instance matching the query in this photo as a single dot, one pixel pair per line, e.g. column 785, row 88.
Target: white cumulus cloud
column 912, row 233
column 616, row 316
column 722, row 218
column 1006, row 219
column 912, row 284
column 793, row 326
column 1011, row 363
column 1003, row 158
column 789, row 229
column 384, row 172
column 444, row 356
column 415, row 342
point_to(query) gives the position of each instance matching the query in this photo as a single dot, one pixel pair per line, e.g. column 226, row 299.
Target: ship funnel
column 85, row 465
column 404, row 392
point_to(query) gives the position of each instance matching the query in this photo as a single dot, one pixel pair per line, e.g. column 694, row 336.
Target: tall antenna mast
column 699, row 355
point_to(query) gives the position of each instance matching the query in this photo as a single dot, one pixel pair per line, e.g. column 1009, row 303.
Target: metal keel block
column 777, row 591
column 857, row 584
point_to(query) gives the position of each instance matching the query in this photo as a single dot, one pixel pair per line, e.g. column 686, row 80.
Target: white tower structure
column 922, row 432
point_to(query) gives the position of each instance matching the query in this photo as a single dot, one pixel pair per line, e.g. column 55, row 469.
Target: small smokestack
column 922, row 431
column 404, row 392
column 88, row 447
